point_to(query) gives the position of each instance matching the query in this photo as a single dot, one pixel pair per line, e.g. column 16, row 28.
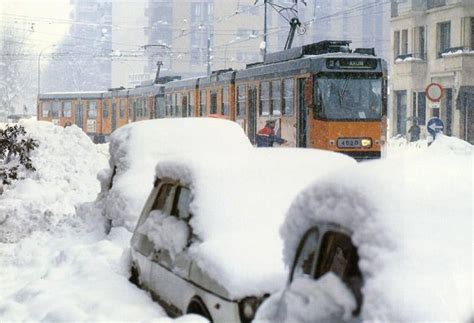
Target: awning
column 465, row 98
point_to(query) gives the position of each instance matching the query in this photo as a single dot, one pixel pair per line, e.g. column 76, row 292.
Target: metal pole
column 265, row 28
column 209, row 55
column 39, row 67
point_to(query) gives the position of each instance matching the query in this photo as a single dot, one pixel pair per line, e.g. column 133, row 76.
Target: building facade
column 191, row 36
column 433, row 42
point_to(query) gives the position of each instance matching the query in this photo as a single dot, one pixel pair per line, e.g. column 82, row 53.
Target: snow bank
column 66, row 163
column 136, row 148
column 411, row 218
column 309, row 301
column 238, row 205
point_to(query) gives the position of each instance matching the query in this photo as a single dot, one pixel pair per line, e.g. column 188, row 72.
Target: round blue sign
column 434, row 126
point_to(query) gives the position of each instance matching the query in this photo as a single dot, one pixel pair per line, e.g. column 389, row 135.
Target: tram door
column 252, row 112
column 79, row 114
column 114, row 116
column 302, row 114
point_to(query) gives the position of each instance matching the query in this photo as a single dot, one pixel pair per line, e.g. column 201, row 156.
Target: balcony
column 458, row 58
column 410, row 64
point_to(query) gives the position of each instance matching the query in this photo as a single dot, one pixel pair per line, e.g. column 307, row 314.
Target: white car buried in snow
column 207, row 239
column 386, row 241
column 136, row 148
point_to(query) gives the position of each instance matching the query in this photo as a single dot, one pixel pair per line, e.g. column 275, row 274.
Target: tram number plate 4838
column 348, row 143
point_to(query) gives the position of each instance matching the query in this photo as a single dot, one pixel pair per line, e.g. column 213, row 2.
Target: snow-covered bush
column 15, row 148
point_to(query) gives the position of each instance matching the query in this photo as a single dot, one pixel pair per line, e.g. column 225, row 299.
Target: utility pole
column 264, row 28
column 209, row 54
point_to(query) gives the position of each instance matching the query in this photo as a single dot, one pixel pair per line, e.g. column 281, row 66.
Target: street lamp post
column 39, row 66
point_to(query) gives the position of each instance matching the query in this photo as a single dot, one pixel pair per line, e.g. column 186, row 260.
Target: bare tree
column 15, row 69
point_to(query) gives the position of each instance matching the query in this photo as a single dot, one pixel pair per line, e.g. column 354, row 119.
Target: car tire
column 196, row 306
column 134, row 276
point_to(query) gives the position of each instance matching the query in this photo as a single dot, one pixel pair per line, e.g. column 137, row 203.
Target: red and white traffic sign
column 434, row 92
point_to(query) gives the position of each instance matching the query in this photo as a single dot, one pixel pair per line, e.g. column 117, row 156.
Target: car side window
column 339, row 255
column 166, row 190
column 181, row 203
column 305, row 254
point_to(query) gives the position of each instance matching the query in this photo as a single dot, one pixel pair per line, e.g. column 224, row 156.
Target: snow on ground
column 411, row 219
column 54, row 265
column 57, row 266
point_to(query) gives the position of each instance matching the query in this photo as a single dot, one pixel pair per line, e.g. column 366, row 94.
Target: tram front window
column 348, row 97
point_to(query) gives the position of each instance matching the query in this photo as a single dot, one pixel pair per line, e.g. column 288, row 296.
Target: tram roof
column 71, row 95
column 155, row 89
column 190, row 83
column 306, row 64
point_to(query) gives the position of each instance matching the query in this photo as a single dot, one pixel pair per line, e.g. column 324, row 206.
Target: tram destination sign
column 351, row 63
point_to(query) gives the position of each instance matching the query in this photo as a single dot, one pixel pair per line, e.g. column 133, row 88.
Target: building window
column 444, row 37
column 420, row 42
column 276, row 98
column 288, row 97
column 241, row 101
column 449, row 111
column 67, row 109
column 404, row 44
column 401, row 105
column 472, row 33
column 435, row 3
column 265, row 99
column 396, row 44
column 421, row 108
column 225, row 101
column 46, row 109
column 201, row 23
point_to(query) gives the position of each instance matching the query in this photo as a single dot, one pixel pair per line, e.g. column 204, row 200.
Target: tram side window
column 276, row 98
column 122, row 108
column 225, row 101
column 185, row 105
column 241, row 100
column 105, row 110
column 92, row 110
column 55, row 109
column 159, row 107
column 213, row 102
column 177, row 106
column 202, row 107
column 67, row 109
column 265, row 99
column 144, row 107
column 46, row 109
column 288, row 97
column 192, row 102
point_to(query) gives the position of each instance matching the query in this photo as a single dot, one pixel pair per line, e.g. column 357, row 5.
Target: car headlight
column 248, row 307
column 366, row 142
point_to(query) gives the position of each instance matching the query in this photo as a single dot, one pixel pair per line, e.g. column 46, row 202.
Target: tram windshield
column 348, row 96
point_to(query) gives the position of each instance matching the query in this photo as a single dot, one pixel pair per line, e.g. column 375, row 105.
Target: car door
column 171, row 261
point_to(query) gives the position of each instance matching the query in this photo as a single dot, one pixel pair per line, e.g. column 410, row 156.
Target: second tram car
column 321, row 95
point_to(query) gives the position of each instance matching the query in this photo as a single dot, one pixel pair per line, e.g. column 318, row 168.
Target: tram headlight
column 366, row 142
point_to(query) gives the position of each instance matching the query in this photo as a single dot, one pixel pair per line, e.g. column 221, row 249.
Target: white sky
column 48, row 19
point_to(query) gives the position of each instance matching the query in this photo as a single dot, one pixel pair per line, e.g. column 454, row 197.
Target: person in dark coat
column 266, row 136
column 414, row 132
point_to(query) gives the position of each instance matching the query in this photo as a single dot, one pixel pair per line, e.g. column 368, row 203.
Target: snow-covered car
column 137, row 147
column 375, row 243
column 207, row 239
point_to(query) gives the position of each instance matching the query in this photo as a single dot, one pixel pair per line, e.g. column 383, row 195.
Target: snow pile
column 238, row 205
column 66, row 163
column 71, row 277
column 412, row 225
column 309, row 301
column 136, row 148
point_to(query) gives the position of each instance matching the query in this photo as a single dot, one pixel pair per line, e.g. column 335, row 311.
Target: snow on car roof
column 414, row 236
column 239, row 202
column 137, row 147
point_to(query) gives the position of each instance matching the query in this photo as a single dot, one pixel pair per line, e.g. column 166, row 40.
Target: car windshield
column 349, row 97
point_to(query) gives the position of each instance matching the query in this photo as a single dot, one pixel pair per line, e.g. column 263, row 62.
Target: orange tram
column 323, row 95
